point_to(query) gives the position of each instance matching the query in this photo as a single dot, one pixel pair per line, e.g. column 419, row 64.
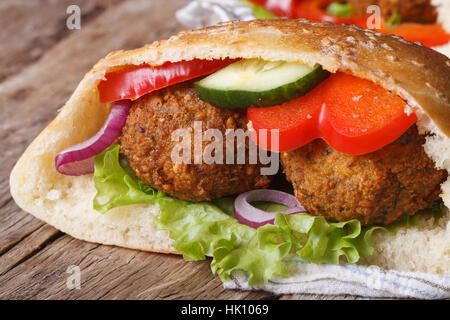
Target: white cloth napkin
column 368, row 282
column 356, row 280
column 199, row 14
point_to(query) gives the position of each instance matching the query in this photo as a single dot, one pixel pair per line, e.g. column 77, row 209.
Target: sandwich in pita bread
column 362, row 122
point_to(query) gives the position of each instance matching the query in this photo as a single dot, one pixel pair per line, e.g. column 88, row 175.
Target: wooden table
column 41, row 63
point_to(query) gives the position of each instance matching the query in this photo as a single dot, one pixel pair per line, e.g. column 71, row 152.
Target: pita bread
column 419, row 75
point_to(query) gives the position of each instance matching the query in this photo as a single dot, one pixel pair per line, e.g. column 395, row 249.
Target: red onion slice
column 253, row 217
column 78, row 160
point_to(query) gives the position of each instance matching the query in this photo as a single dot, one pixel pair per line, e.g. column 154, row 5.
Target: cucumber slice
column 258, row 83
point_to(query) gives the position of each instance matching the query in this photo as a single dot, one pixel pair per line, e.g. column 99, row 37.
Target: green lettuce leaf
column 115, row 187
column 437, row 209
column 210, row 229
column 203, row 229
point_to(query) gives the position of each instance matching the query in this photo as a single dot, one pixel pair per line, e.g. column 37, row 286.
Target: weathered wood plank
column 28, row 246
column 30, row 28
column 113, row 273
column 15, row 225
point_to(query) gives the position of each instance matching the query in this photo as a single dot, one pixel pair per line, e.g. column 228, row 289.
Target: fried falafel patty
column 420, row 11
column 375, row 188
column 146, row 142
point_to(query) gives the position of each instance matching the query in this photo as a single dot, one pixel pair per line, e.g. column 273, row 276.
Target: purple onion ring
column 78, row 160
column 253, row 217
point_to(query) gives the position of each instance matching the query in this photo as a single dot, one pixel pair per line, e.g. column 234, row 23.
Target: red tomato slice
column 430, row 35
column 353, row 115
column 134, row 82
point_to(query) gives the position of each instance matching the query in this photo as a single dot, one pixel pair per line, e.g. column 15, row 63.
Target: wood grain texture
column 41, row 62
column 41, row 27
column 112, row 273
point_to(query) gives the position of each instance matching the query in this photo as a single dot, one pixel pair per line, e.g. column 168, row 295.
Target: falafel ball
column 375, row 188
column 420, row 11
column 146, row 143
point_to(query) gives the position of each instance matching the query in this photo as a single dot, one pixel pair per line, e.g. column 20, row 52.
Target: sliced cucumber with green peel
column 258, row 83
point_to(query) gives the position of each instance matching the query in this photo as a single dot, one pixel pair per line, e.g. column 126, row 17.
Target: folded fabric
column 361, row 281
column 199, row 14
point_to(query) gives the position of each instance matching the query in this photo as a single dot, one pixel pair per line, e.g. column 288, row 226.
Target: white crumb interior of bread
column 424, row 248
column 132, row 226
column 443, row 8
column 66, row 202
